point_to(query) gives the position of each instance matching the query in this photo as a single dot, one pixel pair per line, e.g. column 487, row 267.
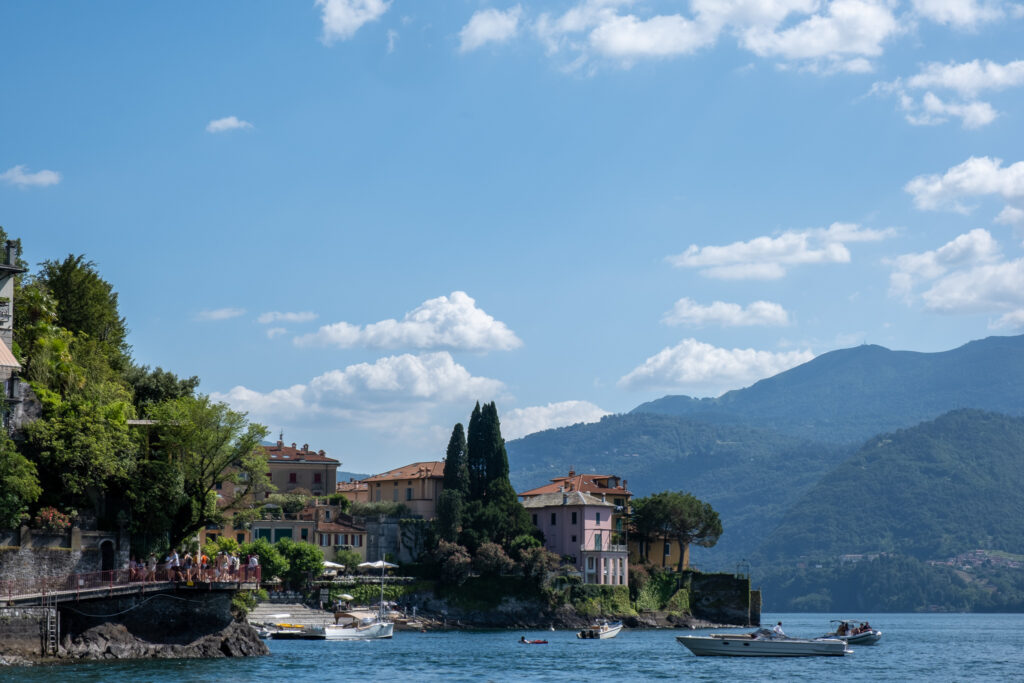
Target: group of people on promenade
column 223, row 566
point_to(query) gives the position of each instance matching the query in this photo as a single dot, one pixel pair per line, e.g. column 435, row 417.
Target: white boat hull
column 745, row 646
column 867, row 638
column 595, row 632
column 373, row 631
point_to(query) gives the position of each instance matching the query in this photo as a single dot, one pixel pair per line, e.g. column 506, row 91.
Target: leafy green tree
column 305, row 562
column 682, row 517
column 349, row 558
column 449, row 515
column 453, row 561
column 85, row 301
column 156, row 386
column 491, row 560
column 272, row 562
column 538, row 563
column 210, row 445
column 20, row 484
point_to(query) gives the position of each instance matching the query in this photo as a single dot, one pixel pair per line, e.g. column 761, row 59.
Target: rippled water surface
column 932, row 647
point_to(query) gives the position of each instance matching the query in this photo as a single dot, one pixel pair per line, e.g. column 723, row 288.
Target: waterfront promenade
column 113, row 583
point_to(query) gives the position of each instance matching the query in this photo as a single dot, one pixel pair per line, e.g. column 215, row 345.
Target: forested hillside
column 932, row 491
column 853, row 394
column 749, row 476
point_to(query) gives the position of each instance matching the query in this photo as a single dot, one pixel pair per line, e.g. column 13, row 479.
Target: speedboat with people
column 601, row 631
column 854, row 632
column 762, row 643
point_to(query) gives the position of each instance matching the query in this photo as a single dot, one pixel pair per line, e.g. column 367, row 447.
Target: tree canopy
column 678, row 516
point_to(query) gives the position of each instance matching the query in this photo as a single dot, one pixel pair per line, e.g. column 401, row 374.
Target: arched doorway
column 107, row 556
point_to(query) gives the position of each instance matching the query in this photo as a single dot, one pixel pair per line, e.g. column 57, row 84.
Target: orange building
column 417, row 486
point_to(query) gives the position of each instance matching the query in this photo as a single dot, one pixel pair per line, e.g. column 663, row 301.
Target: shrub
column 491, row 560
column 453, row 561
column 53, row 520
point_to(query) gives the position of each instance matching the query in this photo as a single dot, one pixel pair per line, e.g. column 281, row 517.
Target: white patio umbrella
column 382, row 565
column 346, row 596
column 332, row 565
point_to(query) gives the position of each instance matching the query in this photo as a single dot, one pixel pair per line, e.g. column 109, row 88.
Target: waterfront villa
column 417, row 486
column 578, row 526
column 300, row 468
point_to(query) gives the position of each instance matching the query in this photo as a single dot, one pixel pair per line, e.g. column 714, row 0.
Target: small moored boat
column 601, row 631
column 762, row 643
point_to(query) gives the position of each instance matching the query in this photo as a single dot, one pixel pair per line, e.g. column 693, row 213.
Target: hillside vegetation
column 853, row 394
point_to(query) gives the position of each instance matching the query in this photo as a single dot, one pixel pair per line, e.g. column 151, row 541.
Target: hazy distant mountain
column 853, row 394
column 942, row 488
column 750, row 476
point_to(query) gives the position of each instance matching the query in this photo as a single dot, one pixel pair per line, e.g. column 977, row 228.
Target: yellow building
column 417, row 486
column 660, row 552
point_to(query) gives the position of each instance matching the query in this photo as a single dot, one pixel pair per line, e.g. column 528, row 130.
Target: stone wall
column 20, row 632
column 27, row 555
column 383, row 537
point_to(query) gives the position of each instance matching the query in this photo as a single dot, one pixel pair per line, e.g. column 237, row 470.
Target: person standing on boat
column 777, row 629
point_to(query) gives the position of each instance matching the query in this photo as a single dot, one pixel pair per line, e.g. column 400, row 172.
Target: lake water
column 932, row 647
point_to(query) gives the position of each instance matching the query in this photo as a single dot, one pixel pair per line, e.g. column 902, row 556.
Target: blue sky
column 354, row 218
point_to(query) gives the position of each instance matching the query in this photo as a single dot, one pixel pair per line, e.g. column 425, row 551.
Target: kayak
column 534, row 642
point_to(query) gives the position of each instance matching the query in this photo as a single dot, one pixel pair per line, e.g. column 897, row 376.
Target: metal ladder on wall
column 51, row 625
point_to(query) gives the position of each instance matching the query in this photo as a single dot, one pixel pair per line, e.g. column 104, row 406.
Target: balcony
column 610, row 548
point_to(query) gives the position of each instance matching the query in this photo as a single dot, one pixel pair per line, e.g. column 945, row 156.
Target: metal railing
column 75, row 584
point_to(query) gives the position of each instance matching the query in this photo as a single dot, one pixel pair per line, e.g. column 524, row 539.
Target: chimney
column 603, row 498
column 565, row 498
column 293, row 444
column 305, row 446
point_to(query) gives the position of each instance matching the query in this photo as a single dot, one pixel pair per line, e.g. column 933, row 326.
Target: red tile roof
column 417, row 470
column 588, row 483
column 344, row 486
column 335, row 528
column 282, row 453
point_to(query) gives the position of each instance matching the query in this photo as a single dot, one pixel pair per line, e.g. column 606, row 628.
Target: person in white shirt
column 778, row 630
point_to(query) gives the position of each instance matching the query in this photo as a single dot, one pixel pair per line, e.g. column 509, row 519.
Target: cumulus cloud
column 276, row 332
column 1010, row 215
column 968, row 275
column 697, row 367
column 287, row 317
column 766, row 258
column 519, row 422
column 824, row 36
column 220, row 314
column 21, row 177
column 966, row 80
column 342, row 18
column 227, row 123
column 489, row 26
column 452, row 322
column 370, row 394
column 976, row 177
column 686, row 311
column 961, row 14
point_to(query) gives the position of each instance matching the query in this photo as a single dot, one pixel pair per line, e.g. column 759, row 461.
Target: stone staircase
column 270, row 613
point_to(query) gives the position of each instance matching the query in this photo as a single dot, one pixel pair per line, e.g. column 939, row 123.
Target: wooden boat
column 762, row 643
column 601, row 631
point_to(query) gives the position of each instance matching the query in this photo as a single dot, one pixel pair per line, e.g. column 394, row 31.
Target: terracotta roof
column 7, row 359
column 544, row 500
column 417, row 470
column 335, row 528
column 581, row 482
column 344, row 486
column 282, row 453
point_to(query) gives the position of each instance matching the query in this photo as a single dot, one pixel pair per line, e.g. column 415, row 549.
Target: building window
column 598, row 542
column 590, row 563
column 317, row 477
column 408, row 493
column 574, row 518
column 220, row 485
column 305, row 534
column 240, row 537
column 573, row 539
column 325, row 540
column 554, row 519
column 598, row 517
column 378, row 495
column 618, row 524
column 535, row 520
column 357, row 540
column 327, row 515
column 618, row 501
column 394, row 495
column 292, row 477
column 668, row 549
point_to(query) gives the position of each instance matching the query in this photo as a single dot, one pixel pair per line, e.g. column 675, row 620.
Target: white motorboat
column 762, row 643
column 601, row 631
column 854, row 632
column 368, row 629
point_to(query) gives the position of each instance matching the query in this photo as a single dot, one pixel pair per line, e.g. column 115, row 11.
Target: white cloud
column 978, row 176
column 276, row 332
column 968, row 250
column 288, row 317
column 519, row 422
column 19, row 176
column 1012, row 320
column 220, row 314
column 962, row 14
column 698, row 367
column 845, row 28
column 660, row 36
column 227, row 123
column 932, row 111
column 766, row 258
column 370, row 394
column 969, row 78
column 452, row 322
column 392, row 40
column 686, row 311
column 342, row 18
column 489, row 26
column 1010, row 215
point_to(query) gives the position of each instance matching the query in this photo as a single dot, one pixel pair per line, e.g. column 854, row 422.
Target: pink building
column 579, row 525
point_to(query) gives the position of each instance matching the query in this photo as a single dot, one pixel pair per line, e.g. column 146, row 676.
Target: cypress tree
column 476, row 455
column 456, row 468
column 496, row 459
